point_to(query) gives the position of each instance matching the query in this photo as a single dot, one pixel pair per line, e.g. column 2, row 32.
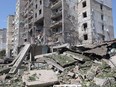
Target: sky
column 7, row 7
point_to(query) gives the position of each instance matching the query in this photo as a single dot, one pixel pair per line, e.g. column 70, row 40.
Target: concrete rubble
column 83, row 66
column 39, row 78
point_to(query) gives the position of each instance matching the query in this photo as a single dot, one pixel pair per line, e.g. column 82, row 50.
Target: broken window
column 35, row 15
column 25, row 40
column 36, row 6
column 40, row 2
column 85, row 37
column 103, row 38
column 84, row 4
column 84, row 14
column 101, row 6
column 102, row 27
column 102, row 17
column 85, row 26
column 39, row 11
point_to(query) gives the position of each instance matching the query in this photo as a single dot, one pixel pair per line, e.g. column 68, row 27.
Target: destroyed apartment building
column 60, row 42
column 82, row 66
column 58, row 22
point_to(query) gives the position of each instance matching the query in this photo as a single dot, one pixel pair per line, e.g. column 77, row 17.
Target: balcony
column 30, row 15
column 56, row 4
column 26, row 25
column 56, row 14
column 57, row 30
column 56, row 24
column 30, row 20
column 30, row 2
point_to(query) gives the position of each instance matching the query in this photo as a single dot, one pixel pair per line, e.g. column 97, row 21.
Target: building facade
column 18, row 23
column 63, row 27
column 51, row 22
column 56, row 22
column 36, row 21
column 9, row 35
column 2, row 39
column 95, row 22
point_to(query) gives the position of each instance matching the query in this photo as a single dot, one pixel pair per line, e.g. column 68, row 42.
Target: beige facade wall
column 97, row 26
column 2, row 39
column 9, row 35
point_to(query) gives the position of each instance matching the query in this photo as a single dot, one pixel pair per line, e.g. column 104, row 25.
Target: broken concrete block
column 44, row 55
column 75, row 56
column 98, row 62
column 104, row 82
column 3, row 77
column 39, row 78
column 63, row 60
column 71, row 74
column 92, row 73
column 76, row 81
column 20, row 72
column 5, row 70
column 99, row 81
column 52, row 63
column 76, row 69
column 112, row 62
column 55, row 65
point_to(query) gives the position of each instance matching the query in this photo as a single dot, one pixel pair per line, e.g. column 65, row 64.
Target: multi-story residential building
column 3, row 39
column 28, row 15
column 37, row 20
column 42, row 20
column 52, row 22
column 18, row 26
column 56, row 22
column 64, row 19
column 95, row 23
column 9, row 35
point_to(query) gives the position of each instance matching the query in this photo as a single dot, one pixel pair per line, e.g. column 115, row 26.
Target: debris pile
column 84, row 66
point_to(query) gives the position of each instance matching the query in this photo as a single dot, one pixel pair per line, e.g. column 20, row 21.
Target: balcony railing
column 56, row 24
column 56, row 4
column 56, row 14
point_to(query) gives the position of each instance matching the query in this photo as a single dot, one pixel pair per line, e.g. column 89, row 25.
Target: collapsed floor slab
column 20, row 58
column 39, row 78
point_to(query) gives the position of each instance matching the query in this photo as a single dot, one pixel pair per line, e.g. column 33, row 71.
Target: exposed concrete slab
column 41, row 78
column 112, row 62
column 55, row 64
column 21, row 57
column 13, row 62
column 44, row 55
column 63, row 60
column 51, row 62
column 71, row 55
column 61, row 46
